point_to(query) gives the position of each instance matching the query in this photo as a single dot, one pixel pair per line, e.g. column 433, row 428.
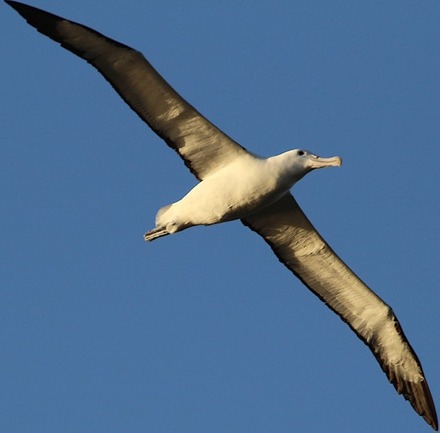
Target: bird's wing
column 300, row 247
column 202, row 146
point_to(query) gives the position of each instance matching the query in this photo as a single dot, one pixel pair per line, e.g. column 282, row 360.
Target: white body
column 247, row 184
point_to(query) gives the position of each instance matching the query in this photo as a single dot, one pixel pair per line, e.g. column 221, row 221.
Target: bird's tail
column 160, row 214
column 160, row 229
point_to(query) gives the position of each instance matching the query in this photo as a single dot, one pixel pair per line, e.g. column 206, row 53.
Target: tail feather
column 163, row 225
column 160, row 214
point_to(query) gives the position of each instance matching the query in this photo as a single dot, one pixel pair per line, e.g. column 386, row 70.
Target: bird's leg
column 156, row 233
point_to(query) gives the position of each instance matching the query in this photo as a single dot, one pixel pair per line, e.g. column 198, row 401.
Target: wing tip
column 422, row 402
column 417, row 393
column 45, row 22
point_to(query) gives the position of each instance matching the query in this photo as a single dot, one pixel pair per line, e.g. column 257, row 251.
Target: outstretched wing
column 301, row 249
column 202, row 146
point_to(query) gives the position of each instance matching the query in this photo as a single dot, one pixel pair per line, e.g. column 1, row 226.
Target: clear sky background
column 206, row 331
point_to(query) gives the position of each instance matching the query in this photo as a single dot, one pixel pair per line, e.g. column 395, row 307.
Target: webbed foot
column 155, row 233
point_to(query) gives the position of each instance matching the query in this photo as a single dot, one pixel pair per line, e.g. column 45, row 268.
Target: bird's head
column 298, row 162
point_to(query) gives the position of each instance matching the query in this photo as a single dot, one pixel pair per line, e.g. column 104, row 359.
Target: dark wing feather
column 299, row 246
column 202, row 146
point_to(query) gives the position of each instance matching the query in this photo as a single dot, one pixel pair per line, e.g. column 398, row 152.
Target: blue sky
column 205, row 331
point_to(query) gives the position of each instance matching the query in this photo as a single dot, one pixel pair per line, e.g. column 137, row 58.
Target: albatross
column 236, row 184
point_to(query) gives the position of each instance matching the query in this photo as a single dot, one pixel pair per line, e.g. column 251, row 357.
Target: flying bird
column 236, row 184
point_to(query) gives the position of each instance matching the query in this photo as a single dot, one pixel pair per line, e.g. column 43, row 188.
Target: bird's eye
column 300, row 152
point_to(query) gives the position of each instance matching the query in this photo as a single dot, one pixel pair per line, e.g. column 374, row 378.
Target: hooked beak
column 318, row 162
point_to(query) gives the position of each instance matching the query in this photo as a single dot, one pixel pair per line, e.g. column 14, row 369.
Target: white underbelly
column 226, row 196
